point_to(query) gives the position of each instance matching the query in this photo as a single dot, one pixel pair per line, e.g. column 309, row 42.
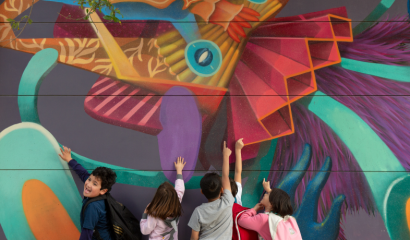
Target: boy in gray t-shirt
column 213, row 220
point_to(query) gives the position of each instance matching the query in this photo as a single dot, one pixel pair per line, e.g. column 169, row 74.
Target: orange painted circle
column 408, row 213
column 45, row 214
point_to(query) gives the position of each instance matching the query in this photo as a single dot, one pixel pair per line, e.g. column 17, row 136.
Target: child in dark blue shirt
column 99, row 182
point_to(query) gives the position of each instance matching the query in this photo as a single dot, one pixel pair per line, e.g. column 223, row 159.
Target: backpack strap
column 236, row 223
column 101, row 197
column 274, row 220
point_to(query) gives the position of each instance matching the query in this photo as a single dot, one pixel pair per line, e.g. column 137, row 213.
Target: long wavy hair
column 165, row 203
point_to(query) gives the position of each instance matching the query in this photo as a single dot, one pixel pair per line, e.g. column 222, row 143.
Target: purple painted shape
column 181, row 134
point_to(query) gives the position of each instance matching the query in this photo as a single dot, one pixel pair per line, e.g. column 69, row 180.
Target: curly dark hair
column 107, row 177
column 211, row 185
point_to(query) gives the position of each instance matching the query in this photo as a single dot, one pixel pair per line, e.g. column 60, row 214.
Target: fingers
column 224, row 144
column 180, row 160
column 60, row 155
column 65, row 150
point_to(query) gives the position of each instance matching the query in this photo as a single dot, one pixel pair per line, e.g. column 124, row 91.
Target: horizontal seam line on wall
column 219, row 21
column 122, row 170
column 160, row 95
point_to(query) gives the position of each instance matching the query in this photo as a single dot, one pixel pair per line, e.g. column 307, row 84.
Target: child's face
column 265, row 200
column 92, row 187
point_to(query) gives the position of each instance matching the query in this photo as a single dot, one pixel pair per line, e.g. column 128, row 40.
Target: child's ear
column 103, row 191
column 202, row 192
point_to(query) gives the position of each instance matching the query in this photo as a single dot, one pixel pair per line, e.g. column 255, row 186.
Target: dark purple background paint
column 181, row 134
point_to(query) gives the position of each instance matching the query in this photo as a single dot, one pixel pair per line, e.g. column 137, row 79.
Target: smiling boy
column 99, row 182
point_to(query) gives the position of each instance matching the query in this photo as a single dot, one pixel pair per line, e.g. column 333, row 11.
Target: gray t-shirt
column 214, row 220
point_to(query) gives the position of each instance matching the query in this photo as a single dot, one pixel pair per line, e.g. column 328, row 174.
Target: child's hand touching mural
column 179, row 165
column 65, row 154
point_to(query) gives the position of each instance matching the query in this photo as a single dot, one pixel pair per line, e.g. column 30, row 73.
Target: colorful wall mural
column 319, row 90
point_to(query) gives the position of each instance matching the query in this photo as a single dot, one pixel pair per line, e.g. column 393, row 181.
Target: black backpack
column 125, row 226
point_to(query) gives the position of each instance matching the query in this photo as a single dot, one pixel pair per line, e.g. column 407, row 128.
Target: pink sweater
column 155, row 227
column 256, row 222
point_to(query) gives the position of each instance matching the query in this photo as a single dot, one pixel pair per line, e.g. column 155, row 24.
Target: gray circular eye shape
column 203, row 57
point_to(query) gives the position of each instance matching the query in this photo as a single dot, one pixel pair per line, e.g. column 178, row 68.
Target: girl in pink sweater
column 275, row 223
column 161, row 217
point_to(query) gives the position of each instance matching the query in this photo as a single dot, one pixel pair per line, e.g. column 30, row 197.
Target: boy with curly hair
column 94, row 221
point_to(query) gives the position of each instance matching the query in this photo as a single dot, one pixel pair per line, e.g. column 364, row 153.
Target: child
column 276, row 223
column 236, row 183
column 213, row 220
column 161, row 216
column 99, row 182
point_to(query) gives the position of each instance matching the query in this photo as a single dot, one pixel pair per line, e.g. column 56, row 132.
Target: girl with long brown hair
column 161, row 217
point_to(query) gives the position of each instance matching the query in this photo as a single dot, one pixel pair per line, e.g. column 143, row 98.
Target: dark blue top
column 95, row 215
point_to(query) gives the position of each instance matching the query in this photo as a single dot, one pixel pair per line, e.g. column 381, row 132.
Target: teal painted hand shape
column 306, row 214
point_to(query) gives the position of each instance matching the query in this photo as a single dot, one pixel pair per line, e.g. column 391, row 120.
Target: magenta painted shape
column 181, row 134
column 69, row 28
column 124, row 105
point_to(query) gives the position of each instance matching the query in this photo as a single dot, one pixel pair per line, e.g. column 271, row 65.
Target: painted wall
column 317, row 89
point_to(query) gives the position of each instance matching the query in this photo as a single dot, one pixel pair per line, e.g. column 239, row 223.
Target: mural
column 322, row 107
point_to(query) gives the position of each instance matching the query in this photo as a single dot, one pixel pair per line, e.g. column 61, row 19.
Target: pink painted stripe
column 89, row 98
column 101, row 81
column 136, row 108
column 121, row 102
column 150, row 113
column 107, row 100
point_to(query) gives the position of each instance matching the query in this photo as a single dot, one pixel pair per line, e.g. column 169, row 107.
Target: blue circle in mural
column 203, row 57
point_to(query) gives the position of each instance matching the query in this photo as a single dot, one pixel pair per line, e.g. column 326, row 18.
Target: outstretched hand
column 226, row 151
column 179, row 165
column 266, row 186
column 65, row 154
column 239, row 144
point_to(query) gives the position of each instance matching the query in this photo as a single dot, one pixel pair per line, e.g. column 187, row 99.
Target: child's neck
column 268, row 208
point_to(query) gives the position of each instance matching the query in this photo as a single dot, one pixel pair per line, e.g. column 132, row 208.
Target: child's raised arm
column 225, row 168
column 78, row 169
column 238, row 164
column 179, row 182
